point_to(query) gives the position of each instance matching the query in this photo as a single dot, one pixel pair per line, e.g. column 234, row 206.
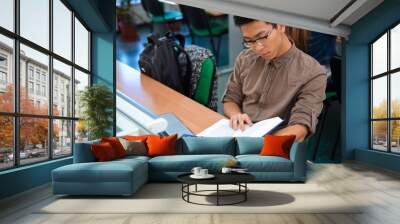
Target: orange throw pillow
column 103, row 152
column 161, row 145
column 136, row 137
column 277, row 145
column 116, row 145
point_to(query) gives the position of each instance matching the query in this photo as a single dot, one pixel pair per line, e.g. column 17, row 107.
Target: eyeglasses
column 257, row 42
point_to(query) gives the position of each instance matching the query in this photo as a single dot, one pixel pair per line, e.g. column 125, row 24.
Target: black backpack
column 165, row 60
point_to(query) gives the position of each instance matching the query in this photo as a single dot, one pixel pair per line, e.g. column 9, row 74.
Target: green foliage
column 97, row 105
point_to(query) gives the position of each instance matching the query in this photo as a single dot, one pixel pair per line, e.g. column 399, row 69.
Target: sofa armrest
column 83, row 152
column 298, row 157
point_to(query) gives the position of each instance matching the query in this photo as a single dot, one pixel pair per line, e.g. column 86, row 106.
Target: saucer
column 208, row 176
column 240, row 171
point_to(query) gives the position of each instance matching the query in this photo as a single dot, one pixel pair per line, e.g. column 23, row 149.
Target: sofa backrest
column 206, row 145
column 249, row 145
column 83, row 153
column 190, row 146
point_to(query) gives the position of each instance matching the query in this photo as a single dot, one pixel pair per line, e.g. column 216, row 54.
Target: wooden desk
column 160, row 99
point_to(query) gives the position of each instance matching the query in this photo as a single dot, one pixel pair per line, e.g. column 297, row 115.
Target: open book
column 221, row 129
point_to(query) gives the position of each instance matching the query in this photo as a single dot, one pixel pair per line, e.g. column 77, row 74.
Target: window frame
column 388, row 74
column 16, row 114
column 3, row 77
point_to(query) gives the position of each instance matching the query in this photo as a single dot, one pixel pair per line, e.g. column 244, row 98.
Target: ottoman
column 119, row 177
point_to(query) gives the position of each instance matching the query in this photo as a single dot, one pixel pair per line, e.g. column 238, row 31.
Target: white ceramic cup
column 203, row 172
column 226, row 170
column 196, row 171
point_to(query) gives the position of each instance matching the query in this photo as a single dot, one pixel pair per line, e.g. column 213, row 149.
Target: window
column 40, row 63
column 54, row 126
column 3, row 61
column 81, row 81
column 30, row 72
column 81, row 45
column 6, row 73
column 62, row 74
column 385, row 94
column 3, row 78
column 30, row 87
column 62, row 29
column 62, row 140
column 7, row 14
column 38, row 89
column 3, row 72
column 44, row 91
column 6, row 142
column 37, row 74
column 35, row 22
column 33, row 149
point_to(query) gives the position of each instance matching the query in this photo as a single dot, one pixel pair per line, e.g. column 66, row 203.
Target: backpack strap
column 185, row 77
column 188, row 75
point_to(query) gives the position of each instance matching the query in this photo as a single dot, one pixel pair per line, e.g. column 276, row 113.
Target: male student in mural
column 272, row 77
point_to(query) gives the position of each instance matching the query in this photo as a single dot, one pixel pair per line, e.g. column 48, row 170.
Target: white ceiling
column 321, row 9
column 316, row 15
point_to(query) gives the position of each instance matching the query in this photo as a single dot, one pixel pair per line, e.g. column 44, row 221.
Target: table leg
column 217, row 194
column 245, row 191
column 196, row 188
column 188, row 190
column 182, row 188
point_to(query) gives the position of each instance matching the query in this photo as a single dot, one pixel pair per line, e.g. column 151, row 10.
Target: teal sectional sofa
column 125, row 176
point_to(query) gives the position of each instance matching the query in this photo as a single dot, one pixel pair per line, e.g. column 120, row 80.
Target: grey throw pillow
column 137, row 147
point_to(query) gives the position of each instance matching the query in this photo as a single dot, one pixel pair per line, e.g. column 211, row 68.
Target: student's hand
column 299, row 130
column 239, row 120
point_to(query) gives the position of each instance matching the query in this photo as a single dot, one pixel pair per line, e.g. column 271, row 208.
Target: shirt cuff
column 308, row 119
column 231, row 98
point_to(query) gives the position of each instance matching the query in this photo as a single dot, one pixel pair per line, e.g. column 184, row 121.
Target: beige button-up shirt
column 291, row 86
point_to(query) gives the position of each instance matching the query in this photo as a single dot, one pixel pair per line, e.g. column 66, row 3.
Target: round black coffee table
column 238, row 179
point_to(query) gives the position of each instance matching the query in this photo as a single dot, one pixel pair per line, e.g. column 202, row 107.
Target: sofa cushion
column 185, row 163
column 249, row 145
column 277, row 145
column 138, row 138
column 257, row 163
column 83, row 152
column 206, row 145
column 134, row 147
column 112, row 171
column 103, row 152
column 116, row 145
column 128, row 159
column 161, row 145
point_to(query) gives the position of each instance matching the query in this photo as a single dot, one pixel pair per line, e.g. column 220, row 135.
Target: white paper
column 221, row 129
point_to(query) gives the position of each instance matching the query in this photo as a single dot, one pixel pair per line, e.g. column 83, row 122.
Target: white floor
column 378, row 189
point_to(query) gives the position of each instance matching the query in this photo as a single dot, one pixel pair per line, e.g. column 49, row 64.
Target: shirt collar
column 285, row 57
